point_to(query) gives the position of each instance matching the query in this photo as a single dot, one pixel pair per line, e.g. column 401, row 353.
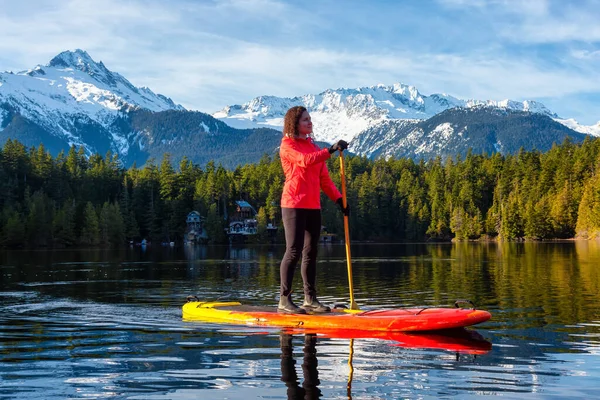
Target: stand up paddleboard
column 396, row 320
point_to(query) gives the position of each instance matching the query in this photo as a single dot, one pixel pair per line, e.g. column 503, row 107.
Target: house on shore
column 243, row 223
column 195, row 230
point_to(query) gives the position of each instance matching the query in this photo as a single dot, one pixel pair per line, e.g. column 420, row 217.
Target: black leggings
column 302, row 230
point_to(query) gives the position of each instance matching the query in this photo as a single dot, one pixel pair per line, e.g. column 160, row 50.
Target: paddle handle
column 353, row 305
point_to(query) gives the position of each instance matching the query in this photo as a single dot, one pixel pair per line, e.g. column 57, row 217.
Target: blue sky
column 209, row 54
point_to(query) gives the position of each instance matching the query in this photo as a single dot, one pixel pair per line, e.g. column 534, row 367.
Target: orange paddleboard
column 396, row 320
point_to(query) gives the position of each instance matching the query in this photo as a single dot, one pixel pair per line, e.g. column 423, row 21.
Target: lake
column 103, row 324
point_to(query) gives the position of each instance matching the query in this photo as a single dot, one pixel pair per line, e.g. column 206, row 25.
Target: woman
column 305, row 172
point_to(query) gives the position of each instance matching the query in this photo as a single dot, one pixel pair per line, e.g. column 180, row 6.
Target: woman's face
column 305, row 124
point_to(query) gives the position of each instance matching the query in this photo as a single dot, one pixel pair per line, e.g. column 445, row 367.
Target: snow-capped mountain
column 345, row 113
column 74, row 100
column 74, row 89
column 456, row 130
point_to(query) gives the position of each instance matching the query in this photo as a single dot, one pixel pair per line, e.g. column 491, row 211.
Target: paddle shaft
column 353, row 305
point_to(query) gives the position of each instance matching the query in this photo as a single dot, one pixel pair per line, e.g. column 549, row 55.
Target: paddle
column 353, row 305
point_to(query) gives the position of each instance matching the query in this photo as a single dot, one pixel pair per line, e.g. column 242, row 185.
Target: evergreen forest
column 76, row 200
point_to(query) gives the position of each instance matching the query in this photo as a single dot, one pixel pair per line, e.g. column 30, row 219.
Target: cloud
column 586, row 54
column 537, row 7
column 536, row 21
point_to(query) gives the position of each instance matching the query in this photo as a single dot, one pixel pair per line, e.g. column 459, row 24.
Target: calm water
column 107, row 324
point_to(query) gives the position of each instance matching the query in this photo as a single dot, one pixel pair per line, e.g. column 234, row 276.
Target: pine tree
column 563, row 212
column 131, row 228
column 273, row 202
column 493, row 220
column 413, row 209
column 538, row 223
column 459, row 223
column 261, row 225
column 116, row 229
column 364, row 209
column 14, row 229
column 63, row 225
column 167, row 179
column 90, row 231
column 38, row 224
column 214, row 225
column 104, row 223
column 439, row 226
column 72, row 164
column 41, row 165
column 588, row 220
column 511, row 218
column 16, row 166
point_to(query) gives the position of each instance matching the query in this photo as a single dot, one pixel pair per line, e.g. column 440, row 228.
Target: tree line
column 73, row 199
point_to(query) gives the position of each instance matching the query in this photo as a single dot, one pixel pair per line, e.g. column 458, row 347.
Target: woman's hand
column 345, row 210
column 341, row 145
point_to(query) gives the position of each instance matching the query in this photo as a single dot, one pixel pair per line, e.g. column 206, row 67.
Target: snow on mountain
column 527, row 105
column 460, row 129
column 2, row 116
column 341, row 113
column 344, row 113
column 384, row 137
column 391, row 137
column 72, row 87
column 593, row 130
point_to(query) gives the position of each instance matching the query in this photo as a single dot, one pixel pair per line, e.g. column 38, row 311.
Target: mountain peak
column 78, row 59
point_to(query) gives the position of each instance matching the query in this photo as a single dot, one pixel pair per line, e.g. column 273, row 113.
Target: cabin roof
column 245, row 204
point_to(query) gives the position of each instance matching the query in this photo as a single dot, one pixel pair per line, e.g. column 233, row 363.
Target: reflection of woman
column 309, row 389
column 306, row 174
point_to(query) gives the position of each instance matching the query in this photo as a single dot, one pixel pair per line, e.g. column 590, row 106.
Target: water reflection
column 310, row 382
column 465, row 344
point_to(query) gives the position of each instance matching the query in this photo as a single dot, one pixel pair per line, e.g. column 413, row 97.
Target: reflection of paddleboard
column 459, row 340
column 397, row 320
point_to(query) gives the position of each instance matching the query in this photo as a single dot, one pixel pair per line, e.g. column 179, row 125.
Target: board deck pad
column 384, row 320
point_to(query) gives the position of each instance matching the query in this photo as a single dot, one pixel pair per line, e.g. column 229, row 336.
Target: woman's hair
column 290, row 122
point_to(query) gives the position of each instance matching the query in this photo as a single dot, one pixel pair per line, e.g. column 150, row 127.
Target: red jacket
column 305, row 174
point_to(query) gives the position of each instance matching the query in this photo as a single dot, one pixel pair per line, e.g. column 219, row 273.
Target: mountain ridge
column 457, row 130
column 344, row 113
column 74, row 100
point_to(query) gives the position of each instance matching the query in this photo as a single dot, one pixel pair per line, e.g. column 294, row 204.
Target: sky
column 206, row 54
